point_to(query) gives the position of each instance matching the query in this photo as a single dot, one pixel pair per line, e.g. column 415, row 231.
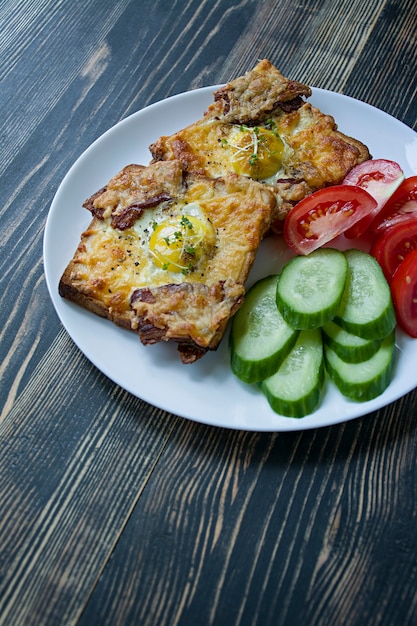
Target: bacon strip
column 128, row 215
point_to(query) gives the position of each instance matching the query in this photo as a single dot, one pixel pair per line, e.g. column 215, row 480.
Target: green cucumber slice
column 260, row 338
column 366, row 309
column 365, row 380
column 348, row 347
column 310, row 288
column 295, row 389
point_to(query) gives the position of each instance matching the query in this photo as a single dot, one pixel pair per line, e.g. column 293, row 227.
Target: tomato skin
column 401, row 207
column 325, row 214
column 404, row 293
column 394, row 245
column 380, row 178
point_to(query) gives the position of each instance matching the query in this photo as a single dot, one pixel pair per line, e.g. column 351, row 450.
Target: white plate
column 206, row 391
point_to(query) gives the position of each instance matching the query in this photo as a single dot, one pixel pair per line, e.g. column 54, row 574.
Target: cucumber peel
column 364, row 380
column 260, row 338
column 295, row 389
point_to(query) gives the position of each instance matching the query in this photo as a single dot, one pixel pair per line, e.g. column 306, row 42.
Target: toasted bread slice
column 167, row 253
column 261, row 126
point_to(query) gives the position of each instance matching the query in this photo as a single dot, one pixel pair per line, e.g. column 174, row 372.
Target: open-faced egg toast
column 167, row 253
column 260, row 126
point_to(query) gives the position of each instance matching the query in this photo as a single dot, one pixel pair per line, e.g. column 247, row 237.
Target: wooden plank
column 240, row 528
column 315, row 42
column 60, row 523
column 387, row 78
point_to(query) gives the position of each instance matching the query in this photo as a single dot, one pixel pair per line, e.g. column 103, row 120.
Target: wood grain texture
column 269, row 529
column 92, row 463
column 112, row 511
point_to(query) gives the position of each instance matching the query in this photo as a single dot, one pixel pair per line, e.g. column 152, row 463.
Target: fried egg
column 178, row 240
column 254, row 151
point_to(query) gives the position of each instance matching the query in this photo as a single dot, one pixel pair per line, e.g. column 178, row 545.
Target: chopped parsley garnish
column 186, row 222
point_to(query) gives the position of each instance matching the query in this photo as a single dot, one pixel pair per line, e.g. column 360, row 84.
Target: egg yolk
column 179, row 243
column 256, row 152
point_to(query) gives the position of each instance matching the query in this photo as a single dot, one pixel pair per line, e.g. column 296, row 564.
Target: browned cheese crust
column 113, row 273
column 315, row 153
column 250, row 98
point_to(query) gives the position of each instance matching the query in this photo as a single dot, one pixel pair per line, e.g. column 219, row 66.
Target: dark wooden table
column 117, row 512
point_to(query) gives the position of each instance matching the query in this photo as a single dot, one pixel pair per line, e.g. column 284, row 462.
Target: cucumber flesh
column 348, row 347
column 366, row 309
column 310, row 288
column 295, row 389
column 260, row 338
column 365, row 380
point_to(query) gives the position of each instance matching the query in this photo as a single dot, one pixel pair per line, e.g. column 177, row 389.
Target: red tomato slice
column 380, row 178
column 404, row 293
column 394, row 245
column 401, row 207
column 327, row 213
